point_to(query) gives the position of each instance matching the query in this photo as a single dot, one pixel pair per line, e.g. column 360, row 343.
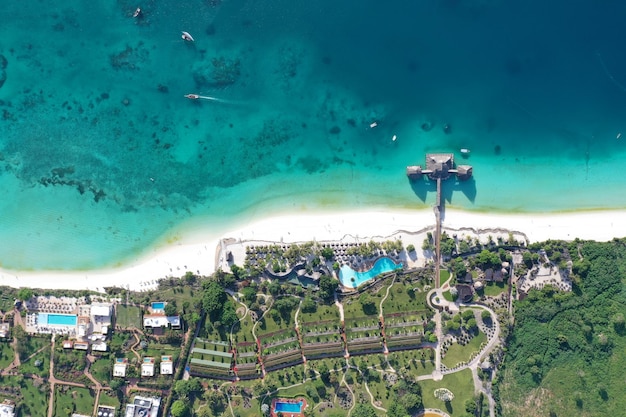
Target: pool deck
column 288, row 400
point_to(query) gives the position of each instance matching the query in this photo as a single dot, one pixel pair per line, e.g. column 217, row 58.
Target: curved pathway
column 340, row 307
column 367, row 388
column 132, row 348
column 474, row 363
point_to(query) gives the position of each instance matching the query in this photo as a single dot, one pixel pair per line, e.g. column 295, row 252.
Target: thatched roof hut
column 464, row 172
column 414, row 172
column 439, row 164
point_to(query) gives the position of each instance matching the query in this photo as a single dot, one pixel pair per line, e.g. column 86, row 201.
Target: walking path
column 52, row 380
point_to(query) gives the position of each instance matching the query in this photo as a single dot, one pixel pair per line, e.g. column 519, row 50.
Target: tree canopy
column 213, row 299
column 328, row 286
column 573, row 334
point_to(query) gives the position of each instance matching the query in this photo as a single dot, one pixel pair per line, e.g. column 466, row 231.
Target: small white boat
column 186, row 36
column 465, row 151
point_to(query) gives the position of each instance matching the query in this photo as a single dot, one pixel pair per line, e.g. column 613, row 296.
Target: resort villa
column 167, row 365
column 143, row 407
column 119, row 367
column 157, row 319
column 147, row 366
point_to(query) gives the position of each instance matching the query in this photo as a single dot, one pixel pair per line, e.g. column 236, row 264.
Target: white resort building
column 119, row 367
column 143, row 407
column 75, row 318
column 7, row 408
column 167, row 365
column 147, row 366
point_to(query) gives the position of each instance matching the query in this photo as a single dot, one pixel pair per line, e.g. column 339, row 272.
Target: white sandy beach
column 197, row 250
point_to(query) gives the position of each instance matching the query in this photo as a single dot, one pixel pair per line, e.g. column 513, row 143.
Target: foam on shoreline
column 198, row 250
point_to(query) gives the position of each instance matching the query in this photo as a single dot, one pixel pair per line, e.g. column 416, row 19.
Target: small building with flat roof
column 99, row 347
column 5, row 330
column 147, row 366
column 81, row 345
column 105, row 411
column 167, row 365
column 143, row 407
column 119, row 367
column 157, row 320
column 7, row 408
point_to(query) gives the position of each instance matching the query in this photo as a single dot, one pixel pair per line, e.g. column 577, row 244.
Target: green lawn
column 461, row 385
column 34, row 399
column 444, row 274
column 179, row 294
column 128, row 316
column 68, row 400
column 242, row 331
column 353, row 309
column 322, row 313
column 7, row 298
column 270, row 325
column 402, row 298
column 102, row 369
column 109, row 398
column 28, row 366
column 6, row 355
column 457, row 353
column 493, row 289
column 448, row 296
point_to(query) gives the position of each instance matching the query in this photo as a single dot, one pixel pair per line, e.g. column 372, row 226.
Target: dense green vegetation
column 566, row 354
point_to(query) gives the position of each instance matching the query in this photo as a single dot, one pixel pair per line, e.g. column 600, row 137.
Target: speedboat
column 186, row 36
column 465, row 151
column 137, row 12
column 192, row 96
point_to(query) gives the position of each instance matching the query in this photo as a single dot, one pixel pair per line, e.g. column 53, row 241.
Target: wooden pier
column 437, row 209
column 439, row 166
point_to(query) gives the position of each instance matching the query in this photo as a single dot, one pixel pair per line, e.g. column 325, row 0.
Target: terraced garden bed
column 323, row 350
column 210, row 369
column 282, row 360
column 211, row 358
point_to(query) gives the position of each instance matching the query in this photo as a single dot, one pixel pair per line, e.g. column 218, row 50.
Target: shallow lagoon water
column 102, row 157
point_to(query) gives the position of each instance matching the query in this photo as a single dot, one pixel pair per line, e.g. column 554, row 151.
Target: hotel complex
column 76, row 318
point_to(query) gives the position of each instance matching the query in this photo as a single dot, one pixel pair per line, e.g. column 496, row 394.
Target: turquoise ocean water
column 101, row 156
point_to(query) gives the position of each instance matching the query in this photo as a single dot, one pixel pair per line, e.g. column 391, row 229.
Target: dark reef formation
column 83, row 186
column 221, row 72
column 3, row 72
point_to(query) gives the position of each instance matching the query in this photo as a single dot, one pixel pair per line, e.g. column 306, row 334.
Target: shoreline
column 198, row 251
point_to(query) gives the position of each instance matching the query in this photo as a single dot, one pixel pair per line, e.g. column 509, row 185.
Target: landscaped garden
column 460, row 384
column 6, row 354
column 128, row 317
column 69, row 400
column 32, row 394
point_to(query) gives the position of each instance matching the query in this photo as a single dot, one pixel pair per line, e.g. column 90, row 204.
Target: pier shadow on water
column 423, row 187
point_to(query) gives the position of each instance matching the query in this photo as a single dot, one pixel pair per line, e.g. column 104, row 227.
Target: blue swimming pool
column 346, row 274
column 287, row 407
column 158, row 306
column 45, row 319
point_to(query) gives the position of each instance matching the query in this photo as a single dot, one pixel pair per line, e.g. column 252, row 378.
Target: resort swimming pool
column 352, row 279
column 283, row 407
column 45, row 319
column 158, row 306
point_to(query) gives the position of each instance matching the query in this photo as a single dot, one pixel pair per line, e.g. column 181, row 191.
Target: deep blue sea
column 102, row 156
